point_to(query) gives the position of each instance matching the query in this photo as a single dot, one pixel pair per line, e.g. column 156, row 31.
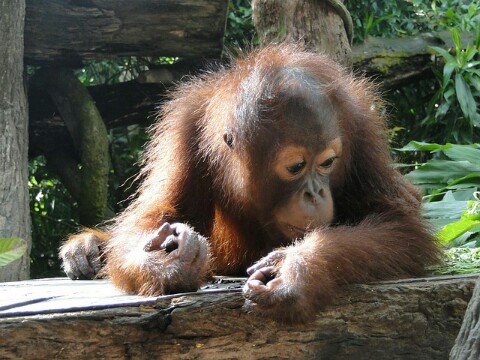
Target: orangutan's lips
column 295, row 229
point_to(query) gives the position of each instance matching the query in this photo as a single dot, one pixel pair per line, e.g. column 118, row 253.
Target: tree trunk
column 14, row 208
column 467, row 345
column 322, row 26
column 89, row 134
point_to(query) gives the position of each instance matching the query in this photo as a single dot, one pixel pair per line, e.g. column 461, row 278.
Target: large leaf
column 423, row 146
column 447, row 73
column 475, row 82
column 455, row 229
column 449, row 58
column 462, row 152
column 11, row 249
column 447, row 208
column 441, row 172
column 465, row 97
column 456, row 38
column 471, row 181
column 468, row 222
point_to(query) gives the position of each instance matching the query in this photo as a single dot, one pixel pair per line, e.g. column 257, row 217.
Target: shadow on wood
column 60, row 318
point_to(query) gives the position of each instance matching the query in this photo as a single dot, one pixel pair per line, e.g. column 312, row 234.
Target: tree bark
column 321, row 26
column 467, row 345
column 69, row 31
column 14, row 200
column 89, row 134
column 414, row 319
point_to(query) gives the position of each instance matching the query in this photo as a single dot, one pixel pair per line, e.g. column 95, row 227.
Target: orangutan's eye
column 297, row 168
column 327, row 164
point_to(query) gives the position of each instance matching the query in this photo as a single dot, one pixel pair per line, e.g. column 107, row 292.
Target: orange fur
column 225, row 192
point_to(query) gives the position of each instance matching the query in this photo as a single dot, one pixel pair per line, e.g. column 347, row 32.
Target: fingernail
column 165, row 226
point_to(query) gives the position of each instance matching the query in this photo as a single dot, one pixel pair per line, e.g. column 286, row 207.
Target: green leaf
column 469, row 54
column 465, row 97
column 423, row 146
column 461, row 240
column 11, row 249
column 469, row 153
column 472, row 64
column 447, row 73
column 441, row 172
column 447, row 209
column 463, row 187
column 444, row 53
column 475, row 82
column 476, row 40
column 456, row 38
column 449, row 92
column 453, row 230
column 442, row 109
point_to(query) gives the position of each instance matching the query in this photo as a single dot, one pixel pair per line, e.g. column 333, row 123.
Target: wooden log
column 467, row 345
column 391, row 62
column 59, row 318
column 394, row 62
column 67, row 31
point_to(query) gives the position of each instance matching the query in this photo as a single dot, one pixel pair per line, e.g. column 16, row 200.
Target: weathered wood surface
column 65, row 31
column 467, row 345
column 408, row 319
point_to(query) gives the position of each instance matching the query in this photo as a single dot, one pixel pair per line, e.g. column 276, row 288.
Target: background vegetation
column 438, row 119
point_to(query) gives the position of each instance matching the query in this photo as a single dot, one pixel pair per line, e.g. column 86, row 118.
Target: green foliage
column 452, row 113
column 54, row 211
column 466, row 227
column 110, row 71
column 118, row 70
column 11, row 249
column 408, row 110
column 461, row 14
column 383, row 18
column 240, row 32
column 451, row 180
column 387, row 18
column 126, row 150
column 459, row 261
column 53, row 214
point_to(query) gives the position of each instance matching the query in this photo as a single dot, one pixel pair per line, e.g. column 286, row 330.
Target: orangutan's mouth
column 292, row 230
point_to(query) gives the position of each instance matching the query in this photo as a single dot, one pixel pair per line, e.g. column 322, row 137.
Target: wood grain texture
column 58, row 30
column 408, row 319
